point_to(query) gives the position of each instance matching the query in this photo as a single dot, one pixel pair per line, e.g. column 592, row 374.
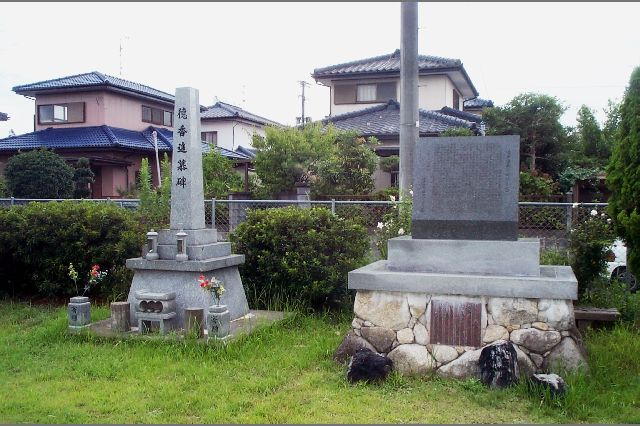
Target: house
column 4, row 116
column 232, row 127
column 476, row 105
column 112, row 122
column 364, row 96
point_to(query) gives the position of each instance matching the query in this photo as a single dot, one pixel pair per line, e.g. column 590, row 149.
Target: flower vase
column 79, row 312
column 218, row 321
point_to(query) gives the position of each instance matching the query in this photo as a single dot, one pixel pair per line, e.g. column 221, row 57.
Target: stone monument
column 464, row 279
column 188, row 249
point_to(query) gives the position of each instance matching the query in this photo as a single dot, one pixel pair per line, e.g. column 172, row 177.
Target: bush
column 298, row 255
column 588, row 245
column 396, row 222
column 39, row 174
column 614, row 294
column 155, row 203
column 38, row 241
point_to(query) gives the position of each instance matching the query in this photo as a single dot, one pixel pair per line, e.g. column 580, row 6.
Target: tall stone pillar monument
column 187, row 249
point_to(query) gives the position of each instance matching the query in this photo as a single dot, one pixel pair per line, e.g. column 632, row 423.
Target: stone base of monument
column 166, row 275
column 435, row 304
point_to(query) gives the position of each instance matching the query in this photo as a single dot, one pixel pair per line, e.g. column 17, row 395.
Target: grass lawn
column 279, row 374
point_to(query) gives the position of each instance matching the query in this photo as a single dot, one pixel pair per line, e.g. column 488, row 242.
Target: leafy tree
column 83, row 176
column 536, row 118
column 349, row 169
column 390, row 163
column 287, row 156
column 39, row 173
column 219, row 176
column 611, row 124
column 591, row 139
column 623, row 173
column 533, row 185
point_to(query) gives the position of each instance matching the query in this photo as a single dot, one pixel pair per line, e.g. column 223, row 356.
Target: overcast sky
column 254, row 54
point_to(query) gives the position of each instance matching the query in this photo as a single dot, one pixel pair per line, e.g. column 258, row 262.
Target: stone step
column 195, row 252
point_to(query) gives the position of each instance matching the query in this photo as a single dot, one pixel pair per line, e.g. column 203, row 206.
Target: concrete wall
column 103, row 108
column 232, row 133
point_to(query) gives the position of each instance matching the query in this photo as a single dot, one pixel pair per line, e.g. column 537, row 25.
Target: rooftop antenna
column 121, row 38
column 303, row 84
column 244, row 97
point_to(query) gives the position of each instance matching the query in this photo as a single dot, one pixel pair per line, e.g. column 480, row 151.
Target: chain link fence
column 551, row 222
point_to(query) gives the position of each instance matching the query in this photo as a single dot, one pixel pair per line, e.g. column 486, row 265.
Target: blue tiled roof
column 224, row 110
column 384, row 120
column 92, row 79
column 232, row 155
column 249, row 152
column 104, row 137
column 3, row 116
column 478, row 103
column 461, row 114
column 384, row 63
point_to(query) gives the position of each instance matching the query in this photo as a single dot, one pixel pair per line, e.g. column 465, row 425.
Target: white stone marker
column 187, row 191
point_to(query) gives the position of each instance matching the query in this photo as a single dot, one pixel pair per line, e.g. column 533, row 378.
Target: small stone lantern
column 152, row 245
column 181, row 238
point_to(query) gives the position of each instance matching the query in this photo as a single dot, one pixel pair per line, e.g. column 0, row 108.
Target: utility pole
column 409, row 121
column 302, row 85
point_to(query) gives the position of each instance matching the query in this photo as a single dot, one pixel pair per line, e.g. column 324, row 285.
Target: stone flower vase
column 218, row 321
column 79, row 312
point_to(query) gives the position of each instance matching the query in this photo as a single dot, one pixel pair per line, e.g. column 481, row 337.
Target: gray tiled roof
column 222, row 110
column 461, row 114
column 478, row 103
column 385, row 63
column 384, row 120
column 3, row 116
column 91, row 79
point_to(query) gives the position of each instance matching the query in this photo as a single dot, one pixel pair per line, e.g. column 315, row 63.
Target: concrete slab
column 187, row 265
column 484, row 257
column 554, row 282
column 196, row 252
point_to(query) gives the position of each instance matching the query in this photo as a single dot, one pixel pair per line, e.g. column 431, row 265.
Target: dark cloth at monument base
column 368, row 366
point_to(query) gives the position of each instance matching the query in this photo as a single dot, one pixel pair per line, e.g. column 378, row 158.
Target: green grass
column 279, row 374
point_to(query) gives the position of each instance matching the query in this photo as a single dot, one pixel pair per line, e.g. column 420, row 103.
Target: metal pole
column 408, row 92
column 333, row 206
column 213, row 213
column 155, row 144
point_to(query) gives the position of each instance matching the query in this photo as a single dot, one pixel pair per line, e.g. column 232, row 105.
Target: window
column 157, row 116
column 364, row 93
column 210, row 137
column 395, row 179
column 72, row 112
column 456, row 100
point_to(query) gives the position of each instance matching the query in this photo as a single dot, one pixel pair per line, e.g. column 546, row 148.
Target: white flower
column 411, row 192
column 400, row 231
column 594, row 213
column 392, row 198
column 380, row 225
column 603, row 215
column 575, row 205
column 608, row 220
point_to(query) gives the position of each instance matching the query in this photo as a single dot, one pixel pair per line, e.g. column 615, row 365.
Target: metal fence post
column 333, row 206
column 213, row 213
column 12, row 200
column 569, row 199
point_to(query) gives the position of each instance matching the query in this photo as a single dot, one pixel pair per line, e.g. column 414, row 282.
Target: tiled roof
column 478, row 103
column 222, row 110
column 384, row 63
column 232, row 155
column 461, row 114
column 92, row 79
column 3, row 116
column 249, row 152
column 104, row 137
column 384, row 120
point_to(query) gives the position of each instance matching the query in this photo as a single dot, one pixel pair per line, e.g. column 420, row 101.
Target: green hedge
column 299, row 256
column 38, row 241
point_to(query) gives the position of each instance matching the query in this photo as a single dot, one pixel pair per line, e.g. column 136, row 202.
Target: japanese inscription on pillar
column 187, row 195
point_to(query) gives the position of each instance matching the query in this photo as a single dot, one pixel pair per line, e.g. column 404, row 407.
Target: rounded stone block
column 381, row 338
column 421, row 334
column 120, row 316
column 384, row 309
column 350, row 344
column 567, row 355
column 556, row 313
column 405, row 336
column 412, row 360
column 443, row 353
column 512, row 311
column 495, row 332
column 536, row 340
column 465, row 366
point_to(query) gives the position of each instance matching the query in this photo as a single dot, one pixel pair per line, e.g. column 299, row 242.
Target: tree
column 349, row 169
column 536, row 118
column 591, row 140
column 155, row 203
column 623, row 173
column 219, row 176
column 83, row 176
column 287, row 156
column 39, row 173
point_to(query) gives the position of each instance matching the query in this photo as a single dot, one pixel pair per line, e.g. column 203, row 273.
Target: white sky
column 254, row 54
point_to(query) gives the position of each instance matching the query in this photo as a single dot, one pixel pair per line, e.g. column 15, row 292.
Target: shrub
column 396, row 222
column 299, row 255
column 604, row 293
column 39, row 240
column 39, row 174
column 83, row 176
column 588, row 245
column 155, row 203
column 219, row 176
column 533, row 185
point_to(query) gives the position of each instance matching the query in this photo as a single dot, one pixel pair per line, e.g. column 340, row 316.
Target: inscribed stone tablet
column 466, row 188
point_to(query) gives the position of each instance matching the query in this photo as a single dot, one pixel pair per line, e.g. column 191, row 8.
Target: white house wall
column 231, row 133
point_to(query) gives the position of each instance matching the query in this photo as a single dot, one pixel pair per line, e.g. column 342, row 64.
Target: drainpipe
column 233, row 137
